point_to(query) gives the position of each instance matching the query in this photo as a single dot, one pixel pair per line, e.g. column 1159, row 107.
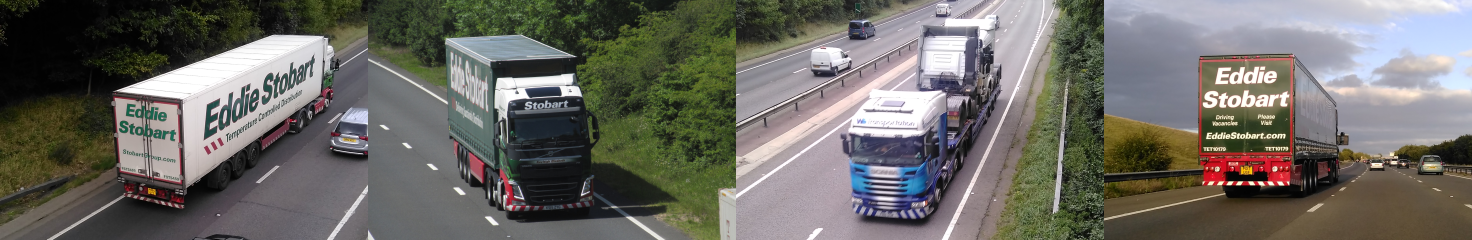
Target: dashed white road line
column 349, row 214
column 1316, row 207
column 334, row 118
column 457, row 190
column 1438, row 190
column 382, row 126
column 1166, row 206
column 406, row 145
column 1468, row 205
column 268, row 174
column 799, row 70
column 493, row 221
column 1341, row 189
column 431, row 166
column 815, row 233
column 84, row 219
column 877, row 39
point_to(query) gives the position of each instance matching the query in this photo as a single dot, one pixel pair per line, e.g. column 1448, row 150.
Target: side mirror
column 336, row 64
column 596, row 130
column 847, row 148
column 1343, row 139
column 931, row 148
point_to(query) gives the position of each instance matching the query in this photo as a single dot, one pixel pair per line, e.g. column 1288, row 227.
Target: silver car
column 1429, row 164
column 351, row 134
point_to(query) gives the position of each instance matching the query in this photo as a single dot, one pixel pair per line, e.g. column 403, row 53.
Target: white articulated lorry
column 208, row 121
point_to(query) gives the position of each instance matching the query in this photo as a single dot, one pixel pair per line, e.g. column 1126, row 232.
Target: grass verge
column 1128, row 188
column 1182, row 143
column 345, row 33
column 45, row 138
column 808, row 32
column 401, row 57
column 1029, row 210
column 681, row 196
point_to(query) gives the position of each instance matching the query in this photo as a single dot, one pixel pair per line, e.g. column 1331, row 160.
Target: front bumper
column 912, row 213
column 527, row 208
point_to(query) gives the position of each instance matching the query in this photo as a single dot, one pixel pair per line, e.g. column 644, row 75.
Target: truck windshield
column 887, row 151
column 559, row 131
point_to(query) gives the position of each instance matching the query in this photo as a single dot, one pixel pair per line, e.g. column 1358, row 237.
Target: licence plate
column 1247, row 171
column 555, row 207
column 350, row 140
column 549, row 161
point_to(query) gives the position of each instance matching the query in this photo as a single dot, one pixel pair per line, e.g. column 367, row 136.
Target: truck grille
column 547, row 191
column 888, row 187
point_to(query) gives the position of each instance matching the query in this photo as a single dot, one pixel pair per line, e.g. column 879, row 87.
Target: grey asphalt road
column 412, row 200
column 764, row 83
column 1393, row 204
column 306, row 197
column 808, row 197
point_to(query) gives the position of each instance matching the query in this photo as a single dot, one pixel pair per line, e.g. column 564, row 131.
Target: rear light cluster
column 363, row 137
column 334, row 134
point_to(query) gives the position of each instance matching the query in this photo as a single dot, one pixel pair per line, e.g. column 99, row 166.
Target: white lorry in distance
column 209, row 121
column 942, row 10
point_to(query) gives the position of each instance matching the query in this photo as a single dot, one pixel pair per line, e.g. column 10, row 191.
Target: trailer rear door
column 148, row 140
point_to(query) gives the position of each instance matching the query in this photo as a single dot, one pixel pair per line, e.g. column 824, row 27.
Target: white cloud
column 1411, row 71
column 1467, row 53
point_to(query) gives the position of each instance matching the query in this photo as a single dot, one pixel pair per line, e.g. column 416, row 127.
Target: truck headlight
column 587, row 186
column 515, row 190
column 920, row 204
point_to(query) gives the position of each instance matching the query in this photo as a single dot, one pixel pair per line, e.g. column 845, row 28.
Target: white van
column 830, row 60
column 942, row 10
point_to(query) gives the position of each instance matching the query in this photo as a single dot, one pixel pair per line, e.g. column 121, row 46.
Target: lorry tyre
column 219, row 178
column 237, row 163
column 310, row 115
column 460, row 163
column 495, row 186
column 252, row 155
column 1334, row 174
column 296, row 126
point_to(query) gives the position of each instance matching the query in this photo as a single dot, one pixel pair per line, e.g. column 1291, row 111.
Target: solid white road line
column 431, row 166
column 84, row 219
column 1166, row 206
column 382, row 126
column 902, row 82
column 457, row 190
column 626, row 215
column 334, row 118
column 355, row 56
column 1042, row 20
column 493, row 221
column 268, row 174
column 1316, row 207
column 349, row 214
column 406, row 145
column 401, row 76
column 815, row 233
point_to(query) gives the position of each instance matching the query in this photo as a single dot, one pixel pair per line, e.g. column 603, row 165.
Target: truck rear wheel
column 460, row 163
column 253, row 155
column 219, row 178
column 237, row 163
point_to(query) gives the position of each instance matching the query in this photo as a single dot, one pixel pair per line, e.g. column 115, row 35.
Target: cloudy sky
column 1401, row 70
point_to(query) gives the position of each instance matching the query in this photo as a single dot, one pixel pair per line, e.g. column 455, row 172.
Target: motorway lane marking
column 84, row 219
column 902, row 83
column 401, row 76
column 334, row 118
column 382, row 126
column 626, row 215
column 1418, row 180
column 431, row 167
column 406, row 145
column 1166, row 206
column 349, row 214
column 815, row 233
column 877, row 39
column 799, row 70
column 789, row 160
column 1468, row 205
column 1438, row 190
column 355, row 56
column 1316, row 207
column 493, row 221
column 1341, row 189
column 457, row 190
column 268, row 174
column 1042, row 19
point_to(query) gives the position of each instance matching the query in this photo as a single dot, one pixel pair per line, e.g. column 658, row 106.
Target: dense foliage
column 52, row 46
column 772, row 20
column 1140, row 151
column 1455, row 151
